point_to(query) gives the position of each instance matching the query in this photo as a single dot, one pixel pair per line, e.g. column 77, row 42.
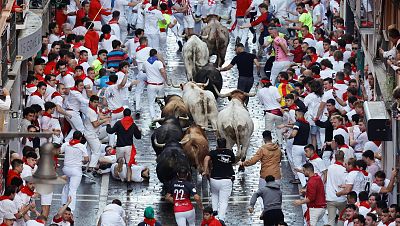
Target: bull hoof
column 241, row 169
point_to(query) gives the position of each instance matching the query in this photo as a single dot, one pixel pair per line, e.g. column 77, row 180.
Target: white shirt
column 115, row 30
column 358, row 180
column 382, row 224
column 87, row 82
column 142, row 55
column 363, row 210
column 312, row 102
column 131, row 45
column 5, row 105
column 337, row 65
column 114, row 96
column 91, row 116
column 57, row 100
column 73, row 155
column 336, row 176
column 68, row 80
column 361, row 138
column 328, row 95
column 151, row 18
column 34, row 99
column 319, row 166
column 343, row 133
column 85, row 66
column 53, row 38
column 81, row 30
column 27, row 171
column 113, row 214
column 33, row 223
column 120, row 5
column 375, row 188
column 268, row 97
column 7, row 206
column 49, row 91
column 75, row 100
column 341, row 89
column 107, row 43
column 153, row 71
column 136, row 173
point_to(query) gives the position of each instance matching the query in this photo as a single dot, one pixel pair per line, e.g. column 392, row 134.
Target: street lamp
column 45, row 174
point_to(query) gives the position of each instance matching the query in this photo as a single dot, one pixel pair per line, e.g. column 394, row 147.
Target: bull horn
column 250, row 94
column 219, row 94
column 208, row 129
column 203, row 84
column 159, row 120
column 184, row 141
column 157, row 144
column 183, row 118
column 204, row 36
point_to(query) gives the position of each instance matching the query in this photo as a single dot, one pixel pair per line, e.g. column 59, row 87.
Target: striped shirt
column 115, row 57
column 183, row 3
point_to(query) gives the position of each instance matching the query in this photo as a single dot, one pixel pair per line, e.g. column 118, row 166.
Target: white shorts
column 124, row 152
column 45, row 199
column 188, row 21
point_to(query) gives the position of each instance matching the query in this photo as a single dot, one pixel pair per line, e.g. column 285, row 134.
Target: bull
column 169, row 131
column 196, row 148
column 235, row 124
column 174, row 106
column 169, row 161
column 216, row 36
column 195, row 56
column 212, row 75
column 201, row 103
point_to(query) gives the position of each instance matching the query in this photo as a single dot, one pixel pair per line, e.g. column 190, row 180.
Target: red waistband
column 163, row 30
column 274, row 111
column 118, row 110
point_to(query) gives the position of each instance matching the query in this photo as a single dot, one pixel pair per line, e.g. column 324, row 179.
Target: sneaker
column 295, row 181
column 137, row 114
column 254, row 39
column 152, row 125
column 241, row 169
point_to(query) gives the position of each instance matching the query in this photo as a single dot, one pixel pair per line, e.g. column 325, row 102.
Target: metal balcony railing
column 4, row 56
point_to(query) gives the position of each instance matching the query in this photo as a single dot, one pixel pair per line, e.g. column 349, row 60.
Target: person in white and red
column 29, row 167
column 338, row 143
column 179, row 194
column 37, row 96
column 336, row 176
column 50, row 81
column 142, row 54
column 73, row 105
column 64, row 215
column 7, row 205
column 65, row 77
column 350, row 214
column 114, row 95
column 93, row 122
column 339, row 128
column 8, row 220
column 47, row 122
column 318, row 163
column 357, row 180
column 125, row 130
column 156, row 77
column 315, row 196
column 23, row 198
column 183, row 6
column 75, row 154
column 40, row 221
column 152, row 16
column 363, row 205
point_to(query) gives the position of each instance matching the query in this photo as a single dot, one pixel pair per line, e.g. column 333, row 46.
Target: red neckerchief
column 90, row 78
column 331, row 112
column 10, row 175
column 77, row 45
column 37, row 93
column 75, row 89
column 55, row 94
column 40, row 221
column 136, row 39
column 377, row 142
column 314, row 58
column 209, row 221
column 101, row 61
column 365, row 204
column 340, row 82
column 74, row 141
column 140, row 47
column 126, row 122
column 342, row 49
column 81, row 77
column 150, row 222
column 107, row 36
column 284, row 81
column 339, row 163
column 362, row 171
column 310, row 36
column 305, row 11
column 265, row 81
column 353, row 68
column 344, row 146
column 151, row 8
column 303, row 120
column 47, row 114
column 316, row 76
column 342, row 127
column 293, row 107
column 69, row 71
column 26, row 190
column 320, row 39
column 81, row 61
column 110, row 83
column 4, row 197
column 112, row 21
column 348, row 124
column 388, row 223
column 315, row 156
column 30, row 85
column 93, row 108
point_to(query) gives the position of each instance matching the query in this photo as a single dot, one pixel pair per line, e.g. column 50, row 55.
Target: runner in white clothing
column 113, row 214
column 139, row 173
column 121, row 6
column 142, row 54
column 37, row 96
column 151, row 17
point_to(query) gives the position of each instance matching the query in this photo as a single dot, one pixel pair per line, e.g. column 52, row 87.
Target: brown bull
column 196, row 149
column 174, row 106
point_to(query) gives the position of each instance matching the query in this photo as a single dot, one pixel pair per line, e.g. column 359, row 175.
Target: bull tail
column 239, row 148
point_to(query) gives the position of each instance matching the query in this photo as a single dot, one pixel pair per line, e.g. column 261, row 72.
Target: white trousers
column 220, row 192
column 183, row 217
column 95, row 148
column 154, row 91
column 289, row 151
column 139, row 89
column 277, row 67
column 154, row 41
column 271, row 123
column 242, row 33
column 326, row 156
column 315, row 215
column 114, row 118
column 179, row 17
column 74, row 176
column 299, row 159
column 76, row 124
column 123, row 26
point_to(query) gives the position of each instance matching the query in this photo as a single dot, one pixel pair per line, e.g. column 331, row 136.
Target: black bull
column 169, row 131
column 209, row 72
column 169, row 161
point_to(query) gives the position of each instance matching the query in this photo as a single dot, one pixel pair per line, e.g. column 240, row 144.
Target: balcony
column 4, row 58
